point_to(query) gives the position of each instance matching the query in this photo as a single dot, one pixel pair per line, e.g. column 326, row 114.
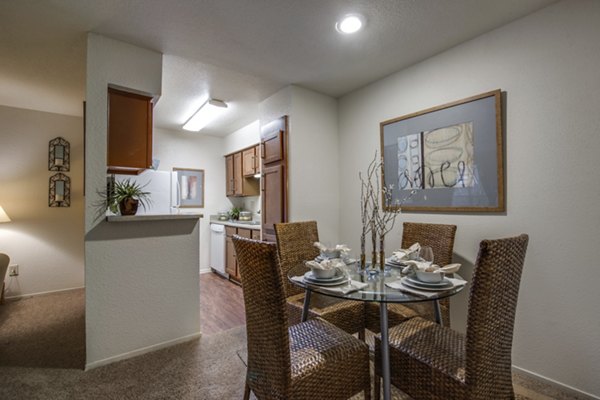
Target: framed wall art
column 190, row 187
column 451, row 154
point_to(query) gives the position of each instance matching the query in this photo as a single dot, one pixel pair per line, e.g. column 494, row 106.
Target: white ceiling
column 240, row 51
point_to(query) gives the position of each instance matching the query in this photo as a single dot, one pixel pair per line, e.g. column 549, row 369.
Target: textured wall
column 313, row 161
column 142, row 286
column 46, row 243
column 547, row 65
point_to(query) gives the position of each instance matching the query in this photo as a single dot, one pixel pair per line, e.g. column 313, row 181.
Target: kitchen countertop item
column 245, row 216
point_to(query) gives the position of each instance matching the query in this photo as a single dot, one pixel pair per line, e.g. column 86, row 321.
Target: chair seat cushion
column 317, row 350
column 431, row 344
column 345, row 314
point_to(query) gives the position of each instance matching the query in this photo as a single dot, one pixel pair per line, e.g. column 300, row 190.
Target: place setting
column 400, row 257
column 423, row 278
column 327, row 271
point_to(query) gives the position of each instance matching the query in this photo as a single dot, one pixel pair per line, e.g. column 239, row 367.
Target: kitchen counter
column 253, row 225
column 152, row 217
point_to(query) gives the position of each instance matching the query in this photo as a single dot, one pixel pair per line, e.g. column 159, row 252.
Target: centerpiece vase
column 363, row 256
column 374, row 247
column 382, row 253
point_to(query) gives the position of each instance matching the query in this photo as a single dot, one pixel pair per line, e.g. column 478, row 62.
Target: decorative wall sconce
column 59, row 194
column 59, row 155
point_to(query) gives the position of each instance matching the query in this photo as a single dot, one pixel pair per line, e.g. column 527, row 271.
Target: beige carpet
column 44, row 331
column 208, row 368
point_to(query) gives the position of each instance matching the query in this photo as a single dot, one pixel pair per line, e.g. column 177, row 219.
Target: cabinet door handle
column 262, row 150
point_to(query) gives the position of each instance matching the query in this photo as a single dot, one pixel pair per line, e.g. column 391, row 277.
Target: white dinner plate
column 337, row 279
column 406, row 282
column 443, row 283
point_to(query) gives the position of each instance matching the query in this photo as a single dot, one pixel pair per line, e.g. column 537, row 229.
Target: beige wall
column 194, row 150
column 312, row 155
column 46, row 243
column 547, row 63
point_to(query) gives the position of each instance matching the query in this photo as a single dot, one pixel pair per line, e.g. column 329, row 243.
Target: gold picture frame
column 452, row 154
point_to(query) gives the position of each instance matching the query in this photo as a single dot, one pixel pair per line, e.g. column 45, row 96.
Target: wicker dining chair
column 440, row 238
column 295, row 245
column 429, row 361
column 310, row 360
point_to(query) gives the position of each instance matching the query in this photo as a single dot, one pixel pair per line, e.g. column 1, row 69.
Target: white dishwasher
column 217, row 248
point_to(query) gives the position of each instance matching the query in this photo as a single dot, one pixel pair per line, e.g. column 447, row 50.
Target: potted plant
column 125, row 197
column 234, row 214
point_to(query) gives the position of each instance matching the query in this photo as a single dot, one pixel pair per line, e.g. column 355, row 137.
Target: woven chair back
column 491, row 316
column 439, row 237
column 294, row 245
column 269, row 365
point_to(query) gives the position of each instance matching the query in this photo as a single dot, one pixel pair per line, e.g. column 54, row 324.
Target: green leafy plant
column 234, row 213
column 119, row 192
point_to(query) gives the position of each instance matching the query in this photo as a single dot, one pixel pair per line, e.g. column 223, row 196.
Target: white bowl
column 430, row 277
column 323, row 273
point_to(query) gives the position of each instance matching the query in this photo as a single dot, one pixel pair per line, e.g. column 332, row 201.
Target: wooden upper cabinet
column 249, row 162
column 129, row 132
column 229, row 191
column 237, row 174
column 272, row 148
column 240, row 173
column 257, row 159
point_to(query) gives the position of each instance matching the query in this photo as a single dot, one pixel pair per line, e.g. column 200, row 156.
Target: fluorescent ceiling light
column 351, row 23
column 207, row 113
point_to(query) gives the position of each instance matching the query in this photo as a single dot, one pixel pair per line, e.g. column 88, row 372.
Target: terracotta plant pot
column 128, row 206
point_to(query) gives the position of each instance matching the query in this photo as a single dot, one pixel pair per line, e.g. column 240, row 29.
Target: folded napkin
column 326, row 264
column 343, row 288
column 413, row 265
column 423, row 293
column 406, row 254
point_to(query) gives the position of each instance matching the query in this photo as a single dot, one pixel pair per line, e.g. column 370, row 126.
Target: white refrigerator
column 163, row 196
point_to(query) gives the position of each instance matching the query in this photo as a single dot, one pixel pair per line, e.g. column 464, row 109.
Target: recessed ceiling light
column 350, row 23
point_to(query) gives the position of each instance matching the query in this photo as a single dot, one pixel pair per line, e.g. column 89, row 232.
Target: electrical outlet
column 13, row 270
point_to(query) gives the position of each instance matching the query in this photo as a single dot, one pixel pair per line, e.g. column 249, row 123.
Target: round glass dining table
column 377, row 291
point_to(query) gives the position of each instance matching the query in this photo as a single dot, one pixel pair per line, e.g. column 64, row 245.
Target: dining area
column 365, row 328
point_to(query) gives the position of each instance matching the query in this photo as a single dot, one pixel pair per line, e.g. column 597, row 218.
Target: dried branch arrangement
column 378, row 217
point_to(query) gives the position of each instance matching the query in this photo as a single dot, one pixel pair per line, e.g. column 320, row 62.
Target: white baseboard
column 141, row 351
column 205, row 270
column 560, row 386
column 20, row 296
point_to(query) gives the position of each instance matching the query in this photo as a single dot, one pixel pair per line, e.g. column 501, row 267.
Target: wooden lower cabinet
column 231, row 266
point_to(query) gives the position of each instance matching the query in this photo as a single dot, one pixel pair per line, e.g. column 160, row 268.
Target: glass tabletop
column 376, row 290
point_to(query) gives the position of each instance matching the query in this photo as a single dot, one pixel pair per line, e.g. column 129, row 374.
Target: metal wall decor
column 59, row 155
column 59, row 194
